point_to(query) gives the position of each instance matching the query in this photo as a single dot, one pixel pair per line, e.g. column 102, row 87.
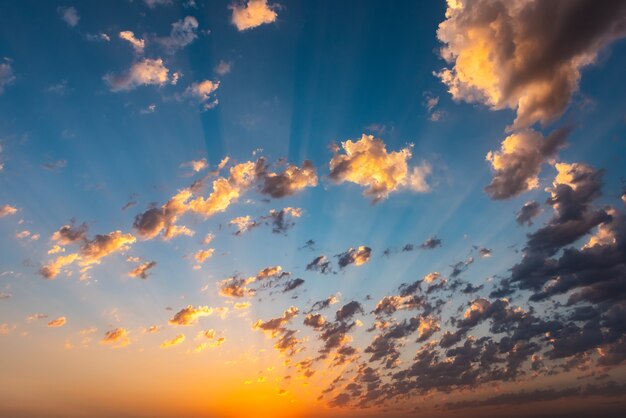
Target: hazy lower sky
column 266, row 208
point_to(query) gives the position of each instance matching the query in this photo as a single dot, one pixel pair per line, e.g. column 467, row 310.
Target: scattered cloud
column 58, row 322
column 142, row 73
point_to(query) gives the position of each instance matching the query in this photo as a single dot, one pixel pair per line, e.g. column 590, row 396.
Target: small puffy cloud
column 243, row 224
column 174, row 341
column 293, row 284
column 252, row 13
column 98, row 37
column 367, row 163
column 69, row 15
column 276, row 325
column 202, row 255
column 137, row 44
column 189, row 315
column 152, row 222
column 91, row 251
column 69, row 234
column 58, row 322
column 223, row 67
column 142, row 270
column 528, row 212
column 235, row 287
column 320, row 264
column 203, row 92
column 431, row 243
column 183, row 33
column 117, row 337
column 5, row 295
column 516, row 166
column 6, row 76
column 289, row 181
column 55, row 165
column 53, row 268
column 195, row 165
column 142, row 73
column 6, row 210
column 525, row 56
column 102, row 245
column 357, row 256
column 315, row 321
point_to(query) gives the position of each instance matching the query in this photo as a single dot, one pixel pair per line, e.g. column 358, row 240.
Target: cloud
column 117, row 337
column 142, row 270
column 6, row 76
column 315, row 321
column 320, row 264
column 152, row 222
column 189, row 315
column 6, row 210
column 203, row 93
column 243, row 224
column 90, row 252
column 142, row 73
column 195, row 165
column 357, row 256
column 286, row 183
column 174, row 341
column 58, row 322
column 431, row 243
column 53, row 268
column 293, row 284
column 69, row 234
column 182, row 34
column 5, row 295
column 154, row 3
column 202, row 255
column 137, row 44
column 367, row 163
column 275, row 328
column 348, row 310
column 223, row 67
column 525, row 56
column 528, row 212
column 252, row 14
column 517, row 164
column 69, row 16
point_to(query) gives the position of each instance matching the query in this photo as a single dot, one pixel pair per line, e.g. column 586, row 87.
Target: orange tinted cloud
column 367, row 163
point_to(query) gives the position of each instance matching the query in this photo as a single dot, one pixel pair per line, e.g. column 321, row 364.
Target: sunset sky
column 298, row 209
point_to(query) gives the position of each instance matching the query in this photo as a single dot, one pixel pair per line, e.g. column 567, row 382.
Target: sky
column 266, row 208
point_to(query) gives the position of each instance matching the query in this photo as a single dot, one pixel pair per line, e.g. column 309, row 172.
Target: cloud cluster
column 367, row 163
column 526, row 56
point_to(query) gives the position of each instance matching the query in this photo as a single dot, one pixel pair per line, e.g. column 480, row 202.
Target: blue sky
column 82, row 144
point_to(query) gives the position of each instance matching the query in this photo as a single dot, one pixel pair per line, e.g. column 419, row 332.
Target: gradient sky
column 310, row 209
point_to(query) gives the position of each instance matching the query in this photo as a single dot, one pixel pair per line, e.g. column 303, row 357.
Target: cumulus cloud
column 69, row 15
column 357, row 256
column 286, row 341
column 367, row 163
column 137, row 44
column 117, row 337
column 202, row 255
column 189, row 315
column 516, row 166
column 6, row 210
column 320, row 264
column 183, row 33
column 525, row 56
column 252, row 13
column 142, row 73
column 142, row 270
column 6, row 77
column 58, row 322
column 69, row 234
